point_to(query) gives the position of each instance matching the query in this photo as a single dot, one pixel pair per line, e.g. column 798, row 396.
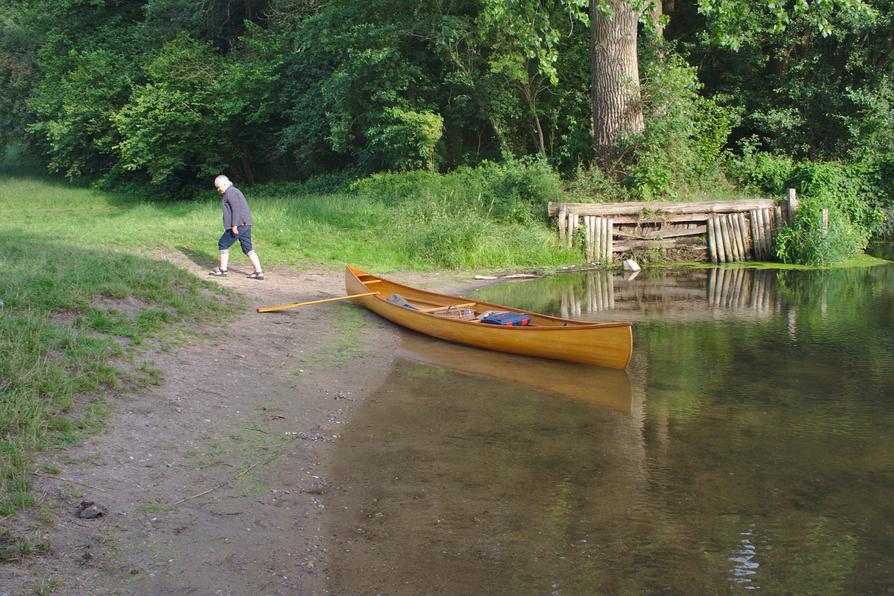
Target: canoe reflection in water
column 603, row 387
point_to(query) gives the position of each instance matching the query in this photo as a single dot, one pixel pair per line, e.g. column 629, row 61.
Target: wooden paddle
column 297, row 304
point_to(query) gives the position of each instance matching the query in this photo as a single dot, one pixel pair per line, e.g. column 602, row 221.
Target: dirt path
column 214, row 481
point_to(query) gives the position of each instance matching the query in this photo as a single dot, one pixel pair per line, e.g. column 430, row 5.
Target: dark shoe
column 256, row 275
column 218, row 272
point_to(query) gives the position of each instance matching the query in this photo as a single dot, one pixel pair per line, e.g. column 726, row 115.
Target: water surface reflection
column 754, row 451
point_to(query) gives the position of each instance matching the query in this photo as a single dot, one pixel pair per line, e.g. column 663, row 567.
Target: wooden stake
column 791, row 205
column 588, row 237
column 727, row 245
column 712, row 241
column 718, row 240
column 563, row 221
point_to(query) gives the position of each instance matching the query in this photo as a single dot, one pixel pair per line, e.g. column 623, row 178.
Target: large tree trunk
column 656, row 15
column 617, row 109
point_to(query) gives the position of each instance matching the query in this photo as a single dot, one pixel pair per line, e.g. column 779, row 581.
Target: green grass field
column 85, row 282
column 290, row 229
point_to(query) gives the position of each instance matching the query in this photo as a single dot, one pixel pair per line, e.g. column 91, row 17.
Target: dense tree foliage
column 165, row 93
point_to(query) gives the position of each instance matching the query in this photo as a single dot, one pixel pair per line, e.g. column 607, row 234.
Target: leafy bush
column 877, row 179
column 841, row 187
column 515, row 191
column 75, row 112
column 852, row 219
column 757, row 170
column 684, row 135
column 806, row 242
column 850, row 191
column 592, row 184
column 406, row 140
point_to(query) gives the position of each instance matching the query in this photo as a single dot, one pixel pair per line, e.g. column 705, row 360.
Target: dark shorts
column 244, row 238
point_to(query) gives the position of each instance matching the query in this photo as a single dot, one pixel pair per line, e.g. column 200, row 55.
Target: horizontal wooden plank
column 630, row 244
column 662, row 218
column 652, row 208
column 662, row 234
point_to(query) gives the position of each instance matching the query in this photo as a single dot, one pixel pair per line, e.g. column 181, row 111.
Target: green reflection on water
column 758, row 453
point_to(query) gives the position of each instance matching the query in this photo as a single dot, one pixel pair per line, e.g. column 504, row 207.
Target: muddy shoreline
column 215, row 480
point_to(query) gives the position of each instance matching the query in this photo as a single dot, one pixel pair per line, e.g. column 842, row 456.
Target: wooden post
column 747, row 244
column 755, row 236
column 776, row 221
column 825, row 221
column 718, row 239
column 727, row 246
column 588, row 237
column 736, row 236
column 609, row 240
column 563, row 221
column 791, row 206
column 572, row 224
column 765, row 225
column 597, row 240
column 712, row 240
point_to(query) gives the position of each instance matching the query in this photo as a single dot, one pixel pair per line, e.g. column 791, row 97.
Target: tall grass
column 452, row 224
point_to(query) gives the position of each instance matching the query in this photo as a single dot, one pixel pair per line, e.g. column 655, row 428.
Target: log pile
column 724, row 231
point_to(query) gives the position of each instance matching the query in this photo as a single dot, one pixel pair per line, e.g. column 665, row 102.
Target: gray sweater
column 235, row 209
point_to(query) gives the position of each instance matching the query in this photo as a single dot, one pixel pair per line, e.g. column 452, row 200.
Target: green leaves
column 75, row 113
column 406, row 139
column 735, row 23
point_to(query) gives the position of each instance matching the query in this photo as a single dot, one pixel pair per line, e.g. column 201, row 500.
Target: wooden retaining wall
column 727, row 231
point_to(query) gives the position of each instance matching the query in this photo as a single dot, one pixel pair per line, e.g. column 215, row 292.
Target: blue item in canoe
column 510, row 319
column 400, row 301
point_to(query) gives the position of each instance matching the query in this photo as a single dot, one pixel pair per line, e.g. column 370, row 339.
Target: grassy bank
column 74, row 309
column 291, row 228
column 85, row 281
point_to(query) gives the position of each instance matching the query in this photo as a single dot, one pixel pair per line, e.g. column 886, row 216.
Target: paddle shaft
column 297, row 304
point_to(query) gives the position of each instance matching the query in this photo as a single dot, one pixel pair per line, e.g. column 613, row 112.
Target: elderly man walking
column 237, row 226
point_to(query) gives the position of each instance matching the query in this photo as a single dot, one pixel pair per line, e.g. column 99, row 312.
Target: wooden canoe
column 601, row 344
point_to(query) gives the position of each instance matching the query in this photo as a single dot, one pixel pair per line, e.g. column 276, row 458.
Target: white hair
column 222, row 182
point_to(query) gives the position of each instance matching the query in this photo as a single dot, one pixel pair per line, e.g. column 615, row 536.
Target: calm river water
column 748, row 447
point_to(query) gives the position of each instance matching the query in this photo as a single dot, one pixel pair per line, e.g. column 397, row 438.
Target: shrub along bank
column 859, row 196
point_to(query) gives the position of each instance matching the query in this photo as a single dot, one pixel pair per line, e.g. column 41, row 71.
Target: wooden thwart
column 437, row 308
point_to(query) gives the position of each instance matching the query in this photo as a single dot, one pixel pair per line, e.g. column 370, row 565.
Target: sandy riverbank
column 214, row 481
